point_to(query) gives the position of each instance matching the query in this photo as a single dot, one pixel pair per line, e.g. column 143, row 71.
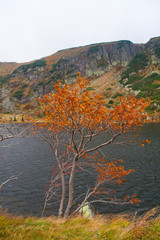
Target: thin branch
column 101, row 145
column 10, row 179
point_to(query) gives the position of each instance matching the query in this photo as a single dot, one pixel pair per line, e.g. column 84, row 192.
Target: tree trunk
column 61, row 207
column 71, row 189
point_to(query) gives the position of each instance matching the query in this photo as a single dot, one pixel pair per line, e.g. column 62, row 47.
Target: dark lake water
column 33, row 158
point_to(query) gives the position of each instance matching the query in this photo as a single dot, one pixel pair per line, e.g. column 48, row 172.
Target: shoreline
column 22, row 118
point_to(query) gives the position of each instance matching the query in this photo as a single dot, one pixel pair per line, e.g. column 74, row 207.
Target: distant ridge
column 115, row 68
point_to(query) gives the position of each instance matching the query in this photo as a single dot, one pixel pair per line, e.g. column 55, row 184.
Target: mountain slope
column 114, row 68
column 7, row 68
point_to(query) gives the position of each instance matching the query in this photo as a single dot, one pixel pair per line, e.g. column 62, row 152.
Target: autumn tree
column 74, row 118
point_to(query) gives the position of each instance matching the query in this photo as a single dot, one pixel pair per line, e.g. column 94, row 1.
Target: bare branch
column 10, row 179
column 100, row 145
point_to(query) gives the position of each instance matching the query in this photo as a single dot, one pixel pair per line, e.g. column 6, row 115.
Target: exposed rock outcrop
column 28, row 81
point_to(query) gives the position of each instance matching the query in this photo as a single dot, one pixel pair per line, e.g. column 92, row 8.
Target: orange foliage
column 129, row 113
column 81, row 115
column 112, row 171
column 73, row 107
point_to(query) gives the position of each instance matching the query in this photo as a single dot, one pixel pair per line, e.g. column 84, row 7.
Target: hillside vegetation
column 8, row 68
column 116, row 68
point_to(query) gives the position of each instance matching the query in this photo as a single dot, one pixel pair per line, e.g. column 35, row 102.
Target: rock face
column 6, row 103
column 96, row 59
column 153, row 50
column 26, row 82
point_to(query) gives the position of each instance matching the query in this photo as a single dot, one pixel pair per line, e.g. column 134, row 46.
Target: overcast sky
column 31, row 29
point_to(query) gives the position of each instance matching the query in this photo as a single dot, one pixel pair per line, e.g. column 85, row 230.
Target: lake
column 34, row 159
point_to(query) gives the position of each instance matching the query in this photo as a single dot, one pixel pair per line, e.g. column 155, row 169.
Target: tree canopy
column 74, row 117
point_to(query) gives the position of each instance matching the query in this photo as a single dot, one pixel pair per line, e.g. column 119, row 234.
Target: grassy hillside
column 110, row 227
column 7, row 68
column 142, row 74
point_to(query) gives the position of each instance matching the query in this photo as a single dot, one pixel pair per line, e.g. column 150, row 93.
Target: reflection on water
column 33, row 158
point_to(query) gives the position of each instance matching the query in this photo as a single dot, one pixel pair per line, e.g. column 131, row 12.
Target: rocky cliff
column 114, row 68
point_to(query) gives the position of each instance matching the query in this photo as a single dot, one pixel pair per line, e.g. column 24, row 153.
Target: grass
column 138, row 62
column 109, row 227
column 12, row 118
column 148, row 87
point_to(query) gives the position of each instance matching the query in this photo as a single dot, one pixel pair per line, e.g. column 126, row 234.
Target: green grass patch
column 90, row 89
column 100, row 228
column 157, row 51
column 25, row 68
column 117, row 95
column 139, row 62
column 149, row 87
column 4, row 79
column 94, row 49
column 58, row 64
column 18, row 94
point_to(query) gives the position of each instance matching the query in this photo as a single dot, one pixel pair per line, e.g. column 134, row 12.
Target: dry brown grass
column 108, row 227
